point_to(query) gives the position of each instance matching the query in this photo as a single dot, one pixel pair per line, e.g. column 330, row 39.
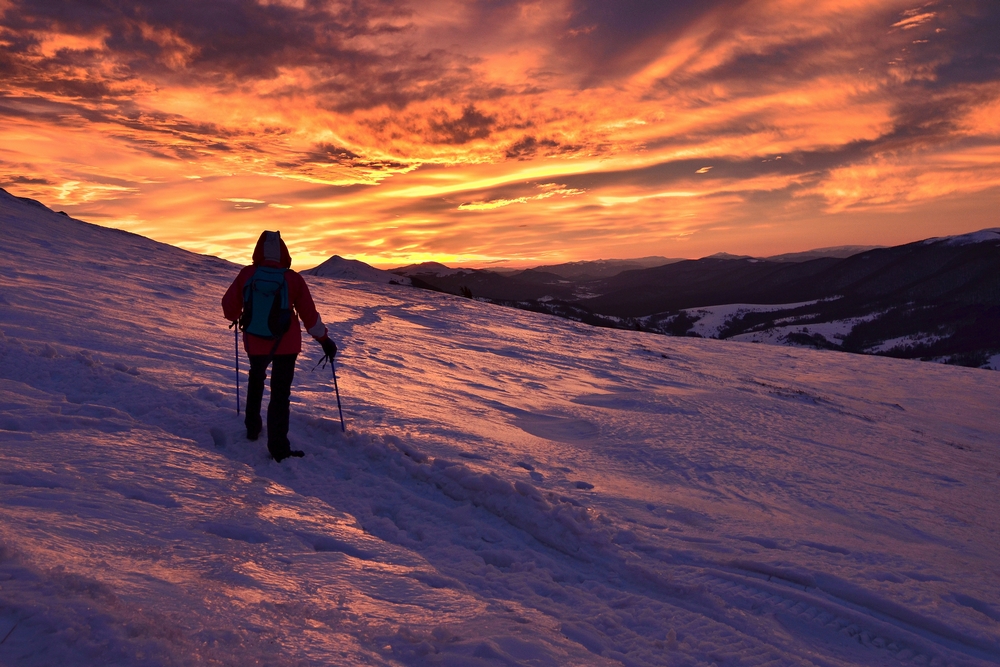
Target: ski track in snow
column 512, row 489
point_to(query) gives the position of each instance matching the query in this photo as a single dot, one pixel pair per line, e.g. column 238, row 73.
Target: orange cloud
column 517, row 131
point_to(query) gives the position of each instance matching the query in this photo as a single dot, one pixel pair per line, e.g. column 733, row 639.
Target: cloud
column 396, row 120
column 492, row 204
column 25, row 180
column 472, row 124
column 607, row 41
column 528, row 147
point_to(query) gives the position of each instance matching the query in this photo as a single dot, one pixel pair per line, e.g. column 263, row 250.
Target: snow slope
column 512, row 489
column 982, row 236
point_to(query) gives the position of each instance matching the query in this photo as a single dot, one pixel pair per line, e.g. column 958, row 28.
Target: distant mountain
column 726, row 255
column 525, row 285
column 602, row 268
column 552, row 282
column 352, row 269
column 936, row 299
column 427, row 269
column 841, row 252
column 705, row 282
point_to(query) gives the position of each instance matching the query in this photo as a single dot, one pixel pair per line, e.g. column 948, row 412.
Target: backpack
column 266, row 311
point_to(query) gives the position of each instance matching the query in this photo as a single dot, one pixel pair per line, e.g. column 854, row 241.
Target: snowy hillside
column 991, row 235
column 934, row 300
column 512, row 489
column 352, row 269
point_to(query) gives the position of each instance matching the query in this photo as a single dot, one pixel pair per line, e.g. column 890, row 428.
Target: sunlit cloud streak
column 483, row 132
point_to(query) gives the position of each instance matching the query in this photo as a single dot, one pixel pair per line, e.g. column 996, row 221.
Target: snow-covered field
column 711, row 320
column 512, row 489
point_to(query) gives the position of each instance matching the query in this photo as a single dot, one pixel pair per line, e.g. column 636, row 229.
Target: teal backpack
column 266, row 311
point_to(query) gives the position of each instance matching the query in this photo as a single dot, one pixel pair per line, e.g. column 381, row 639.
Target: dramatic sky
column 502, row 131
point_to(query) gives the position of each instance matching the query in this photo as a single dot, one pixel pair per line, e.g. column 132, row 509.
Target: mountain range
column 937, row 299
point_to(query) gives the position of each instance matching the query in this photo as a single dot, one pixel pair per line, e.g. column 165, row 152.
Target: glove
column 329, row 347
column 329, row 350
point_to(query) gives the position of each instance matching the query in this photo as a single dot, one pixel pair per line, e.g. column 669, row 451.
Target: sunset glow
column 521, row 133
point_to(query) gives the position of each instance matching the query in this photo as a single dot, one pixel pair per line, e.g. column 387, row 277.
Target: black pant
column 277, row 409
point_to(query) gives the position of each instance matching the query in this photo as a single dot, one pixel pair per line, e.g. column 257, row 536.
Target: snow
column 512, row 489
column 982, row 236
column 834, row 330
column 352, row 269
column 711, row 320
column 906, row 341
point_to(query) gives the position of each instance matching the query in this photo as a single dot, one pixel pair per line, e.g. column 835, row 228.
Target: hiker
column 267, row 299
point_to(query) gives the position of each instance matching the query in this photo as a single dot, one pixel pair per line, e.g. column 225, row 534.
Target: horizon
column 501, row 264
column 510, row 134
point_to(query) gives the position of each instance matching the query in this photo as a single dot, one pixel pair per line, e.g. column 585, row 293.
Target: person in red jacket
column 271, row 252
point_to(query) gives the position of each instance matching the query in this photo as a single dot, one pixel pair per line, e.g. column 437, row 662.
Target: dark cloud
column 368, row 80
column 674, row 172
column 179, row 138
column 230, row 37
column 43, row 109
column 958, row 44
column 968, row 45
column 77, row 88
column 24, row 180
column 329, row 154
column 472, row 124
column 870, row 48
column 771, row 67
column 227, row 44
column 528, row 147
column 607, row 40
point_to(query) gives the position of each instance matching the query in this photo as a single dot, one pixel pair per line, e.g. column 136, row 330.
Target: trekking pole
column 333, row 368
column 236, row 346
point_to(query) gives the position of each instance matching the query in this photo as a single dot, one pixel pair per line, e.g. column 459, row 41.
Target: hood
column 271, row 250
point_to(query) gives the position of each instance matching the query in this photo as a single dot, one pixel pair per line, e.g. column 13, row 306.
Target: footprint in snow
column 219, row 437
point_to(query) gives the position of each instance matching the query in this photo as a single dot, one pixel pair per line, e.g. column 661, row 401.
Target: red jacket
column 298, row 297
